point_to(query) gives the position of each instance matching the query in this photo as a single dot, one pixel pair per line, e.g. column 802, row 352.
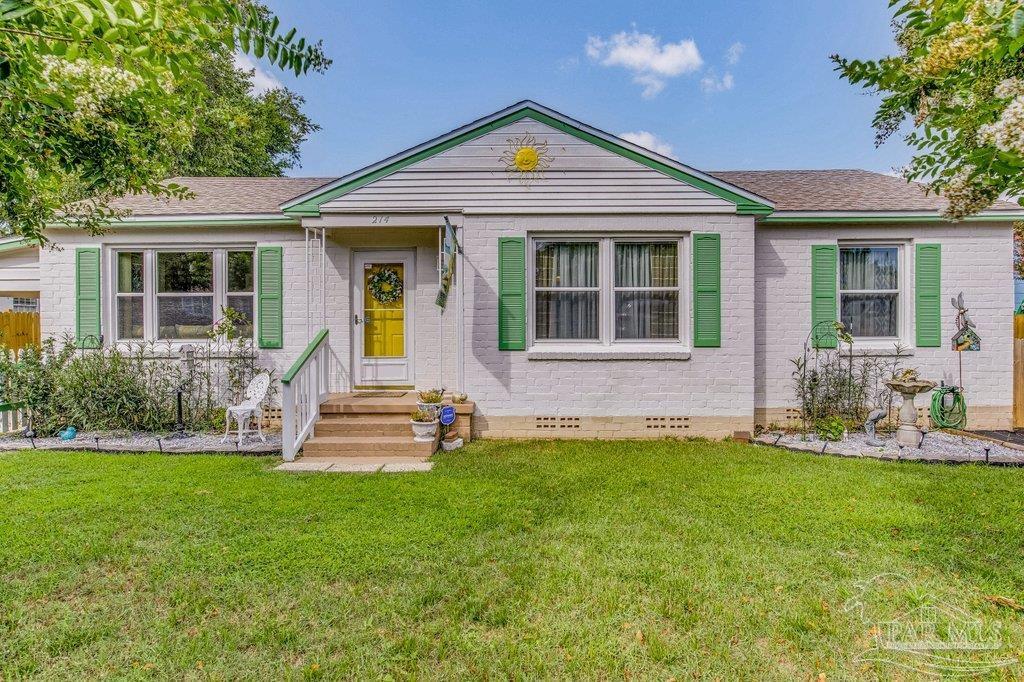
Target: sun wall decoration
column 526, row 159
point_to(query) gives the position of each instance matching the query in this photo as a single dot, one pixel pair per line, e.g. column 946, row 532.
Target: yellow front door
column 383, row 312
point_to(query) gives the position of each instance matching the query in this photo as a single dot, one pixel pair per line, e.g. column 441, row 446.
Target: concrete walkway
column 357, row 465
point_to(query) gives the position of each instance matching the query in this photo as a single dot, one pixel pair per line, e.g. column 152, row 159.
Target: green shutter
column 823, row 293
column 270, row 295
column 87, row 298
column 927, row 286
column 511, row 293
column 707, row 290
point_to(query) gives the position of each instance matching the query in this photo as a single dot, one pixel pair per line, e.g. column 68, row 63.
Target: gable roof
column 844, row 191
column 217, row 196
column 747, row 202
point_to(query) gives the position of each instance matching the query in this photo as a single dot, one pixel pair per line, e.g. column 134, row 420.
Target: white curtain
column 867, row 269
column 646, row 314
column 568, row 315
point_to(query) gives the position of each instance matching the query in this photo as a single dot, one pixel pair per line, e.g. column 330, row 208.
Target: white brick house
column 600, row 289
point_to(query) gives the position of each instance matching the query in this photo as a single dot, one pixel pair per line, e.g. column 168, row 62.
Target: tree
column 959, row 78
column 101, row 98
column 239, row 132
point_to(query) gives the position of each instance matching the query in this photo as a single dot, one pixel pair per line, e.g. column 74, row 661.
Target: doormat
column 379, row 394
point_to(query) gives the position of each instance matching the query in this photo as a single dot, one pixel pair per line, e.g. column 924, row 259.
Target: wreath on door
column 386, row 285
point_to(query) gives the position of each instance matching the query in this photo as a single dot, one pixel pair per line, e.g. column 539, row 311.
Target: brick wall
column 976, row 259
column 508, row 386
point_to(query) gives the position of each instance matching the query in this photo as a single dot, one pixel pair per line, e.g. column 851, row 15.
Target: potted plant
column 430, row 401
column 424, row 426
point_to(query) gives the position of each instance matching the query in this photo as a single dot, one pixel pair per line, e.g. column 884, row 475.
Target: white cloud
column 261, row 80
column 648, row 140
column 735, row 51
column 650, row 61
column 712, row 83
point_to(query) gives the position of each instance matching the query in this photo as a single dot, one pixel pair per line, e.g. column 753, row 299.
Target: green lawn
column 510, row 559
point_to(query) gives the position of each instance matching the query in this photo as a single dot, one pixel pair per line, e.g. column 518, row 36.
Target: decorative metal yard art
column 833, row 380
column 826, row 334
column 949, row 409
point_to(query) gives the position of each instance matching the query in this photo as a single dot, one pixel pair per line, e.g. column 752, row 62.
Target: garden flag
column 449, row 247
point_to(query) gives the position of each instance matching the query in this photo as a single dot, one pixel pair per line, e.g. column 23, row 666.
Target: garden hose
column 949, row 413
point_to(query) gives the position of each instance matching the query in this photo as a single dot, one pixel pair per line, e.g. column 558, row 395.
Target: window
column 567, row 291
column 869, row 290
column 130, row 291
column 177, row 295
column 646, row 291
column 24, row 305
column 241, row 288
column 607, row 290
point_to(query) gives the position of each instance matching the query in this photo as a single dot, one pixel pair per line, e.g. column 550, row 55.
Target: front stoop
column 352, row 426
column 358, row 465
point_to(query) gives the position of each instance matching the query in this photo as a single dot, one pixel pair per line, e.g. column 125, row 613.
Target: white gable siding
column 582, row 178
column 19, row 271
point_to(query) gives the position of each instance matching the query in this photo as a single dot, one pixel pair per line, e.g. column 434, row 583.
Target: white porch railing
column 305, row 385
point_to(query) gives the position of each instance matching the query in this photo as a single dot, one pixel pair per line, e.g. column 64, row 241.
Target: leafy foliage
column 830, row 428
column 958, row 79
column 242, row 133
column 101, row 98
column 432, row 396
column 843, row 384
column 132, row 388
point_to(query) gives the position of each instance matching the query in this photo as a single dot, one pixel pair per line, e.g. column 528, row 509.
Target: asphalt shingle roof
column 790, row 190
column 838, row 190
column 223, row 196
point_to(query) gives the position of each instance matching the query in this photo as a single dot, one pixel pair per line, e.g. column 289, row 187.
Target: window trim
column 606, row 342
column 150, row 296
column 901, row 291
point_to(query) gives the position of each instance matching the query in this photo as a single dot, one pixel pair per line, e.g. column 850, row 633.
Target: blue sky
column 726, row 85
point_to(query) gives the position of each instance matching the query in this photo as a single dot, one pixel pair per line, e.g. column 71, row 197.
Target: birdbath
column 908, row 434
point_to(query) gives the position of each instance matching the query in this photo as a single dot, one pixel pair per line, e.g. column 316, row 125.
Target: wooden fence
column 18, row 330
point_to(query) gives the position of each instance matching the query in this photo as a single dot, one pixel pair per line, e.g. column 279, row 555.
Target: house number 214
column 379, row 219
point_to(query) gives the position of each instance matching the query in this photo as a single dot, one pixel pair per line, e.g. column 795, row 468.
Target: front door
column 383, row 292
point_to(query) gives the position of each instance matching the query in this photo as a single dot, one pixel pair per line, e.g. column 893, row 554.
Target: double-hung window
column 607, row 290
column 178, row 295
column 869, row 291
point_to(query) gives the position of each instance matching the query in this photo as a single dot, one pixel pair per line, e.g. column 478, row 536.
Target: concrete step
column 366, row 446
column 364, row 425
column 366, row 418
column 367, row 406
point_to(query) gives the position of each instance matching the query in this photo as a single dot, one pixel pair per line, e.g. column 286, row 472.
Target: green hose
column 953, row 417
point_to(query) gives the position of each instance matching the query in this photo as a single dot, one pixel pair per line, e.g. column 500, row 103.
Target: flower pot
column 424, row 432
column 429, row 408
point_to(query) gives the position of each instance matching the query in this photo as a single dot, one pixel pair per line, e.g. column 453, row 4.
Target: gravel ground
column 148, row 442
column 938, row 446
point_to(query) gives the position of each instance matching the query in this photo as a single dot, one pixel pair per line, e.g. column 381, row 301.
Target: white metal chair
column 251, row 407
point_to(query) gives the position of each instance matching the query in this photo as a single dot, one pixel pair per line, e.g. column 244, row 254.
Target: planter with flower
column 430, row 401
column 424, row 426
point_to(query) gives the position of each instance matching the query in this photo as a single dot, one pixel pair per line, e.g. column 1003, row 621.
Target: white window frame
column 901, row 292
column 150, row 296
column 606, row 289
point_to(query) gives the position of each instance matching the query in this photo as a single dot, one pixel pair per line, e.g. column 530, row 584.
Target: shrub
column 840, row 383
column 423, row 416
column 126, row 388
column 830, row 428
